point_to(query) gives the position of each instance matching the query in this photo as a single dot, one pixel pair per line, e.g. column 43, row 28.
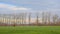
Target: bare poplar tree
column 49, row 15
column 58, row 21
column 22, row 20
column 37, row 18
column 25, row 15
column 29, row 16
column 14, row 17
column 55, row 17
column 43, row 18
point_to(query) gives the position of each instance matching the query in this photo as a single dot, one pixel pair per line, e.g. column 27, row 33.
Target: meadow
column 30, row 30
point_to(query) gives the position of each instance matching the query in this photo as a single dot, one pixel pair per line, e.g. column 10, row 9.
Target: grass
column 30, row 30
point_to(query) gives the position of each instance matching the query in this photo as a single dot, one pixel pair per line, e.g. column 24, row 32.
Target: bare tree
column 55, row 17
column 21, row 18
column 29, row 18
column 58, row 21
column 44, row 17
column 25, row 15
column 14, row 21
column 48, row 17
column 37, row 18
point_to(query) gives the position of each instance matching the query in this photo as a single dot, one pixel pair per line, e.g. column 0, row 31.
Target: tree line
column 47, row 18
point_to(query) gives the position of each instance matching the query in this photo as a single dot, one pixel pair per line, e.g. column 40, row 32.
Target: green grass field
column 30, row 30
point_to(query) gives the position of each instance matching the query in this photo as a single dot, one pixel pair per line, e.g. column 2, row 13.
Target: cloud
column 18, row 8
column 11, row 7
column 7, row 8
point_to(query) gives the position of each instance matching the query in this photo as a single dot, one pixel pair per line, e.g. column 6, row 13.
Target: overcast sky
column 17, row 6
